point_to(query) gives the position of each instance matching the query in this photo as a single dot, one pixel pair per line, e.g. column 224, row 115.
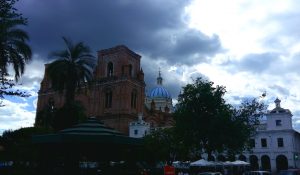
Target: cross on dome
column 159, row 78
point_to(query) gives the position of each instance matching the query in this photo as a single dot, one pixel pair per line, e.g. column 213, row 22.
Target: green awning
column 91, row 131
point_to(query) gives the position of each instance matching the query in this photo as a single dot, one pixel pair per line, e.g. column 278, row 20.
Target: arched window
column 110, row 69
column 281, row 162
column 242, row 157
column 253, row 162
column 133, row 99
column 51, row 103
column 265, row 162
column 123, row 71
column 130, row 70
column 108, row 99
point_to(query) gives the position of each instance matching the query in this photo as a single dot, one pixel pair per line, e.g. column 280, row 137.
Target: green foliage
column 159, row 144
column 69, row 115
column 58, row 119
column 45, row 117
column 200, row 109
column 19, row 148
column 14, row 50
column 164, row 145
column 13, row 47
column 72, row 69
column 17, row 144
column 247, row 117
column 205, row 122
column 6, row 90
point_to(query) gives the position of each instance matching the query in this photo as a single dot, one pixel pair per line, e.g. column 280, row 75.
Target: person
column 186, row 173
column 225, row 171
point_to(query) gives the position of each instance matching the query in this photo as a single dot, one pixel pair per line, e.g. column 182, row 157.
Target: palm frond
column 18, row 34
column 63, row 55
column 14, row 49
column 73, row 67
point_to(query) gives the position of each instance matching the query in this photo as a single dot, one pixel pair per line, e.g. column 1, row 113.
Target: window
column 108, row 99
column 130, row 70
column 280, row 142
column 252, row 143
column 135, row 132
column 110, row 69
column 133, row 99
column 278, row 122
column 51, row 103
column 264, row 142
column 122, row 70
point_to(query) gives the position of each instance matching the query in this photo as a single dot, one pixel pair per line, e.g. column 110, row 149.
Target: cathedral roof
column 159, row 91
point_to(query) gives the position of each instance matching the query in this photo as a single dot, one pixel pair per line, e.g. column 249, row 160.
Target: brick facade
column 117, row 93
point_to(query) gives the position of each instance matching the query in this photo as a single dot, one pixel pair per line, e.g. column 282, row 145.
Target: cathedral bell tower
column 119, row 89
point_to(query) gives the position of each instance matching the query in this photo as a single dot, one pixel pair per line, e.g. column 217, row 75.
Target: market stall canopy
column 239, row 162
column 202, row 162
column 90, row 131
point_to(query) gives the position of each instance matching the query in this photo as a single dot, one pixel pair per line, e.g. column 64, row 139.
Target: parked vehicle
column 290, row 172
column 257, row 173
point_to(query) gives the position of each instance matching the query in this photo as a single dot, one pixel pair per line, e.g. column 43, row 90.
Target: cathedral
column 160, row 97
column 117, row 95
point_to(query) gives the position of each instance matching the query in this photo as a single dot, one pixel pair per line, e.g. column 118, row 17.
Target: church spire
column 159, row 78
column 277, row 103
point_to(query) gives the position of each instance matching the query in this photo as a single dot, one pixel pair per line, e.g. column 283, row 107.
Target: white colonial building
column 276, row 145
column 139, row 128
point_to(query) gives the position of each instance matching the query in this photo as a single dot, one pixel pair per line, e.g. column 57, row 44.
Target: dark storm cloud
column 152, row 27
column 254, row 63
column 196, row 42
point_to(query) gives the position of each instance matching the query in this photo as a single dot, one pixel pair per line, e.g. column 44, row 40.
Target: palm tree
column 74, row 67
column 13, row 47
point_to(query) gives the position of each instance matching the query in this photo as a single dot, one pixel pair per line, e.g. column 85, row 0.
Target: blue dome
column 159, row 92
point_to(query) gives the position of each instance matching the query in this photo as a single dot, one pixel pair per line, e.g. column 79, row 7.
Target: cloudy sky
column 249, row 46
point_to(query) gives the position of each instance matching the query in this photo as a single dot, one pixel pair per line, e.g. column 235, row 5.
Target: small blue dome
column 159, row 92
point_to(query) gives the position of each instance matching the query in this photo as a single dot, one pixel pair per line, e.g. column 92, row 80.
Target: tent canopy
column 202, row 162
column 239, row 162
column 91, row 131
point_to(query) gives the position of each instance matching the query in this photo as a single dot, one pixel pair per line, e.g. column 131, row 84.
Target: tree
column 6, row 89
column 17, row 146
column 208, row 124
column 247, row 115
column 163, row 144
column 13, row 47
column 68, row 115
column 73, row 68
column 14, row 50
column 71, row 71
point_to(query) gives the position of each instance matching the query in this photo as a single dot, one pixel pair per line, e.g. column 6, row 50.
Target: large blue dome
column 159, row 92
